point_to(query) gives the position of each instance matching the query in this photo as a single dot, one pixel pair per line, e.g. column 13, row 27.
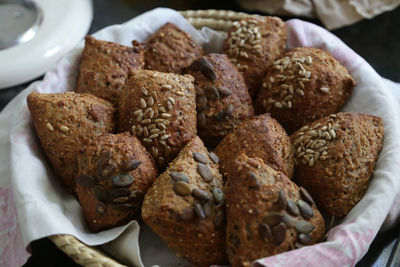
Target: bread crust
column 170, row 50
column 221, row 104
column 260, row 216
column 304, row 85
column 104, row 67
column 255, row 55
column 114, row 173
column 200, row 240
column 64, row 123
column 339, row 176
column 260, row 136
column 161, row 108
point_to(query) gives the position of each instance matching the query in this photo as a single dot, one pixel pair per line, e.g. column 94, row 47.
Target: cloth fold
column 33, row 204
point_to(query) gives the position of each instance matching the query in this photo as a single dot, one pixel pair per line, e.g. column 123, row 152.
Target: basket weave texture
column 218, row 20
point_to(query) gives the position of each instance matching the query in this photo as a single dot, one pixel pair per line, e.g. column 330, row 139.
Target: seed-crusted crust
column 64, row 123
column 170, row 50
column 258, row 222
column 106, row 191
column 338, row 177
column 260, row 136
column 198, row 240
column 223, row 103
column 159, row 108
column 104, row 67
column 304, row 85
column 253, row 53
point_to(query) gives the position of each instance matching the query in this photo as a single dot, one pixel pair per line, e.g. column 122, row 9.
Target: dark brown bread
column 335, row 157
column 252, row 45
column 114, row 173
column 104, row 67
column 64, row 123
column 185, row 206
column 260, row 136
column 267, row 213
column 160, row 109
column 304, row 85
column 170, row 50
column 222, row 97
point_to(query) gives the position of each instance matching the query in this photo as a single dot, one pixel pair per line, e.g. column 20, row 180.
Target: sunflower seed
column 218, row 195
column 49, row 126
column 119, row 192
column 324, row 90
column 306, row 196
column 143, row 103
column 201, row 119
column 187, row 214
column 265, row 232
column 165, row 136
column 304, row 227
column 282, row 200
column 273, row 218
column 219, row 219
column 224, row 90
column 278, row 105
column 107, row 171
column 120, row 199
column 100, row 208
column 204, row 172
column 179, row 176
column 86, row 180
column 201, row 194
column 211, row 93
column 208, row 208
column 198, row 209
column 214, row 157
column 305, row 210
column 205, row 67
column 150, row 101
column 200, row 158
column 122, row 180
column 292, row 208
column 202, row 103
column 182, row 188
column 100, row 193
column 279, row 233
column 165, row 115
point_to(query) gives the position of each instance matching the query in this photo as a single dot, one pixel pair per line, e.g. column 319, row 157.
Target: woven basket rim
column 79, row 252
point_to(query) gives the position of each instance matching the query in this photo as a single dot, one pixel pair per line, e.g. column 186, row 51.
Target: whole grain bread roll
column 335, row 157
column 222, row 97
column 170, row 50
column 65, row 123
column 260, row 136
column 114, row 173
column 160, row 109
column 186, row 206
column 267, row 213
column 252, row 45
column 104, row 67
column 304, row 85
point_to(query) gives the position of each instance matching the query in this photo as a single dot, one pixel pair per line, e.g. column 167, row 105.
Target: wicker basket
column 219, row 20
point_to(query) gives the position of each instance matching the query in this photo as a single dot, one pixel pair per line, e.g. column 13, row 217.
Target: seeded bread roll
column 185, row 206
column 114, row 173
column 252, row 45
column 260, row 136
column 304, row 85
column 170, row 50
column 267, row 213
column 335, row 157
column 64, row 123
column 221, row 96
column 159, row 108
column 104, row 67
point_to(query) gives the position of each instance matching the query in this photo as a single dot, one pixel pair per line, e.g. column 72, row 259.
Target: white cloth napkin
column 33, row 204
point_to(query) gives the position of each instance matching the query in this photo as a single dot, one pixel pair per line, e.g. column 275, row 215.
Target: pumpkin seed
column 200, row 158
column 182, row 188
column 179, row 176
column 122, row 180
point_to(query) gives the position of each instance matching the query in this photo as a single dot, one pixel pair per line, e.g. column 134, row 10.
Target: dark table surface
column 376, row 40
